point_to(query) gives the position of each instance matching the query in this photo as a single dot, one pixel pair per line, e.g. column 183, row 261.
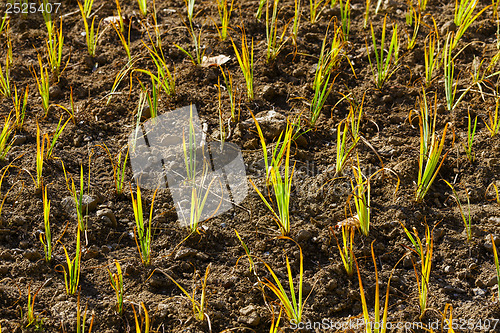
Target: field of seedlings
column 359, row 142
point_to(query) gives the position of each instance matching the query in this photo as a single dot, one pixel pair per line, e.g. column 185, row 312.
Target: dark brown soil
column 463, row 273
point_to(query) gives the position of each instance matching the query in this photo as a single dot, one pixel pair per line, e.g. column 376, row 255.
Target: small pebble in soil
column 379, row 247
column 131, row 270
column 88, row 203
column 303, row 236
column 185, row 253
column 478, row 292
column 462, row 275
column 6, row 255
column 306, row 288
column 91, row 252
column 162, row 310
column 32, row 255
column 335, row 11
column 492, row 281
column 390, row 5
column 449, row 270
column 271, row 123
column 158, row 282
column 438, row 234
column 407, row 263
column 487, row 242
column 472, row 266
column 299, row 72
column 19, row 140
column 387, row 99
column 107, row 222
column 4, row 270
column 448, row 26
column 396, row 280
column 440, row 108
column 394, row 233
column 77, row 140
column 395, row 141
column 310, row 37
column 229, row 283
column 338, row 269
column 486, row 282
column 55, row 92
column 357, row 7
column 19, row 220
column 494, row 220
column 332, row 284
column 112, row 330
column 251, row 144
column 202, row 256
column 394, row 119
column 493, row 162
column 106, row 212
column 268, row 92
column 250, row 315
column 453, row 290
column 105, row 249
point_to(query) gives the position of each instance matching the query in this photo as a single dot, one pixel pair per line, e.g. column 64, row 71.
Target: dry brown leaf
column 214, row 61
column 350, row 222
column 126, row 21
column 112, row 19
